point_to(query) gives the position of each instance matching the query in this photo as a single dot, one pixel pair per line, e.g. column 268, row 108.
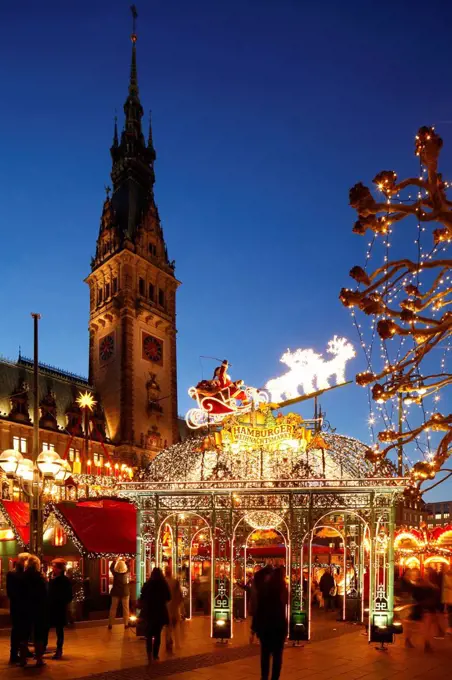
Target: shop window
column 103, row 576
column 59, row 536
column 20, row 444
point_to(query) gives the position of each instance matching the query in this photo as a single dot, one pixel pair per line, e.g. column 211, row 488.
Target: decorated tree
column 407, row 301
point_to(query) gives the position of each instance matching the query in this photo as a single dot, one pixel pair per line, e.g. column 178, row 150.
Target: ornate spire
column 115, row 134
column 150, row 138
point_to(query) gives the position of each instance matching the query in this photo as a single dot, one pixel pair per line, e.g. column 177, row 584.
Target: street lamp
column 32, row 473
column 32, row 478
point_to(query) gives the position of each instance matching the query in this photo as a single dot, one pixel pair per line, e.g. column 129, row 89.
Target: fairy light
column 415, row 296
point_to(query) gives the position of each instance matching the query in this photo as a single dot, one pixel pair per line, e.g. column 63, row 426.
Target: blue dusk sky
column 265, row 113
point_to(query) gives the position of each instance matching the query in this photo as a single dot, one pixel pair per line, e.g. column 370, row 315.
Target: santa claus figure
column 228, row 388
column 220, row 376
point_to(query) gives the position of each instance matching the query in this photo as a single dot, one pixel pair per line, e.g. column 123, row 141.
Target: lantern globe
column 49, row 463
column 64, row 472
column 9, row 462
column 25, row 470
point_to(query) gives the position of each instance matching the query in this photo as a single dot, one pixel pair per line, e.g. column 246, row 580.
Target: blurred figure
column 327, row 587
column 120, row 592
column 154, row 598
column 446, row 598
column 436, row 578
column 270, row 621
column 35, row 611
column 174, row 611
column 424, row 594
column 59, row 598
column 15, row 592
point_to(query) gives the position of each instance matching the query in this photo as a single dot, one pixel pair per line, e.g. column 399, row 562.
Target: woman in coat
column 120, row 592
column 155, row 596
column 35, row 620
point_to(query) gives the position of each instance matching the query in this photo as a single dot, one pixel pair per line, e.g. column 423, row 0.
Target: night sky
column 265, row 113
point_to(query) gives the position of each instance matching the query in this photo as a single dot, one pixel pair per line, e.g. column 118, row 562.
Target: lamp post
column 33, row 473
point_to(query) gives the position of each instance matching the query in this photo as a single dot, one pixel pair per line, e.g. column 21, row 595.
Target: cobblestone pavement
column 99, row 654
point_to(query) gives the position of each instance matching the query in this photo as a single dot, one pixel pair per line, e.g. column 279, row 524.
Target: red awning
column 18, row 515
column 103, row 527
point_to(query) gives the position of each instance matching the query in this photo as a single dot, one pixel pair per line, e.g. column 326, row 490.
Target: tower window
column 161, row 297
column 99, row 296
column 151, row 291
column 141, row 286
column 107, row 291
column 115, row 285
column 153, row 249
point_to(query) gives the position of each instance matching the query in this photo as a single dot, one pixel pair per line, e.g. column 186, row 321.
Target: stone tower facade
column 133, row 299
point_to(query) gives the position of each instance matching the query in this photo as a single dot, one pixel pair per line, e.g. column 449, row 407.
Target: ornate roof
column 196, row 459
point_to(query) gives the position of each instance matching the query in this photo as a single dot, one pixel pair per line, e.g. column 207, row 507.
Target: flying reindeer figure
column 310, row 371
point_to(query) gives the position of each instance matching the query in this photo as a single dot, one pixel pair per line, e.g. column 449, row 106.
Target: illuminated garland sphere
column 263, row 519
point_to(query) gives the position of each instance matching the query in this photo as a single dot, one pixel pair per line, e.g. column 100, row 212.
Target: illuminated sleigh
column 214, row 405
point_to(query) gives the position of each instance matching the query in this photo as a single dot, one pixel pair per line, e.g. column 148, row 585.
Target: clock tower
column 132, row 352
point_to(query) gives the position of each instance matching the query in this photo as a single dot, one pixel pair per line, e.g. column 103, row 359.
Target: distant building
column 439, row 514
column 411, row 513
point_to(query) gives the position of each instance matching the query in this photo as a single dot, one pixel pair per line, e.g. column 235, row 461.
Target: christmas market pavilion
column 204, row 499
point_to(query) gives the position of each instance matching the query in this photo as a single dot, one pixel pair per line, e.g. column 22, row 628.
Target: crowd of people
column 37, row 604
column 429, row 605
column 40, row 603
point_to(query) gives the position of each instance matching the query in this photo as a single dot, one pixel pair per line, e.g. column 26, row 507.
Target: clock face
column 106, row 347
column 152, row 349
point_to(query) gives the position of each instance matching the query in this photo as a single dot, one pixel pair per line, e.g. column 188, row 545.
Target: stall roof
column 100, row 528
column 17, row 514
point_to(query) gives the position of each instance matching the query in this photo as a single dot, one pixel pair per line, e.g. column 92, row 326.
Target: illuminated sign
column 262, row 435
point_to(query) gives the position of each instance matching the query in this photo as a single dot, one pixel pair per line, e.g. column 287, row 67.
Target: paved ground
column 99, row 654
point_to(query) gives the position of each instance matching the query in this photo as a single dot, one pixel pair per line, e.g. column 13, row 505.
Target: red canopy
column 17, row 514
column 102, row 527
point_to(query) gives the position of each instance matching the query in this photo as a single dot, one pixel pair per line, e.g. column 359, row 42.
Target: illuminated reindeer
column 310, row 371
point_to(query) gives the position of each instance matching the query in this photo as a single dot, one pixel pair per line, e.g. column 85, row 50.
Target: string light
column 405, row 301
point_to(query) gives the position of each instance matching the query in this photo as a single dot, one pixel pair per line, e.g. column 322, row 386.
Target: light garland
column 418, row 316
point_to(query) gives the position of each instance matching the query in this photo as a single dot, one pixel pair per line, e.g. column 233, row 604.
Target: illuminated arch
column 407, row 536
column 445, row 536
column 437, row 558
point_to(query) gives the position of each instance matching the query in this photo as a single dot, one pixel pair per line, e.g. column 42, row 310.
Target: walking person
column 446, row 598
column 270, row 620
column 120, row 592
column 34, row 621
column 327, row 586
column 154, row 598
column 15, row 592
column 174, row 611
column 59, row 598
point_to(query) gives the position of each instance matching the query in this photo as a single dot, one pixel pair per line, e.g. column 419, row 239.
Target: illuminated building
column 132, row 335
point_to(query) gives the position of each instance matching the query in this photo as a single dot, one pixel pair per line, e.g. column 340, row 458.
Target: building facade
column 132, row 330
column 439, row 514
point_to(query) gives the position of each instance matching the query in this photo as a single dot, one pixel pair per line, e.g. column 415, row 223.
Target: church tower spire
column 133, row 295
